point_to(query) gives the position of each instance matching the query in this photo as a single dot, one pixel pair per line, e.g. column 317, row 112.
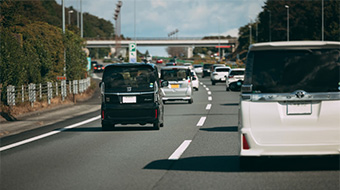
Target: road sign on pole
column 132, row 53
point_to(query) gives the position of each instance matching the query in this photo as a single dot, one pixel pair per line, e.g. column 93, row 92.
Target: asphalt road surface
column 196, row 149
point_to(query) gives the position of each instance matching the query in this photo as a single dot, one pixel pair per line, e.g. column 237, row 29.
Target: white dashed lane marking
column 180, row 150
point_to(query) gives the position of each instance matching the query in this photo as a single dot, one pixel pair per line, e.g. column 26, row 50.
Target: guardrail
column 33, row 92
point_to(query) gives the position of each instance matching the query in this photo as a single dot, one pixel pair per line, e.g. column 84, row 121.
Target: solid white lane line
column 208, row 107
column 207, row 89
column 209, row 92
column 201, row 122
column 180, row 150
column 47, row 134
column 209, row 98
column 201, row 83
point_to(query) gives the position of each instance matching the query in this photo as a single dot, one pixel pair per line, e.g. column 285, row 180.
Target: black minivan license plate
column 299, row 108
column 129, row 99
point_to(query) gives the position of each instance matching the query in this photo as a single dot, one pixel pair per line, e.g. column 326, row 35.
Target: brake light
column 245, row 143
column 231, row 76
column 102, row 114
column 95, row 67
column 103, row 67
column 189, row 80
column 156, row 113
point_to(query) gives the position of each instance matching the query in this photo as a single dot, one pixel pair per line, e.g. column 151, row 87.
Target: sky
column 157, row 18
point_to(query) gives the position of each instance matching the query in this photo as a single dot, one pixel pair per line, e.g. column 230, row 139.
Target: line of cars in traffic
column 289, row 103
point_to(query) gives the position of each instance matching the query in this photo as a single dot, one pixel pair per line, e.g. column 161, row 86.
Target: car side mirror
column 164, row 83
column 194, row 78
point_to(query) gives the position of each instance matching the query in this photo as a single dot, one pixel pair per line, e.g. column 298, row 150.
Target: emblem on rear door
column 129, row 89
column 300, row 93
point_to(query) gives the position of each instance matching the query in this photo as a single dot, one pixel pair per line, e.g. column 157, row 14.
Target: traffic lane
column 211, row 161
column 87, row 158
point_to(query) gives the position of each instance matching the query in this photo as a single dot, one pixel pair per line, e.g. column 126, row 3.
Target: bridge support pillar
column 112, row 50
column 190, row 52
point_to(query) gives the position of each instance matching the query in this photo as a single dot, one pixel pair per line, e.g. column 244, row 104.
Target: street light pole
column 219, row 39
column 81, row 19
column 78, row 16
column 270, row 23
column 69, row 16
column 287, row 7
column 63, row 21
column 322, row 27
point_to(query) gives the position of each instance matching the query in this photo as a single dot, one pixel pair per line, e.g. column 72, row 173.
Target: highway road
column 196, row 149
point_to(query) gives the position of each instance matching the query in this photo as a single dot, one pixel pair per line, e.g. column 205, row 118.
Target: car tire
column 163, row 101
column 247, row 163
column 190, row 101
column 107, row 127
column 156, row 125
column 227, row 89
column 213, row 82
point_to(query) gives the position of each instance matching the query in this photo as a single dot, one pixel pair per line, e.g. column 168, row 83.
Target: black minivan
column 131, row 95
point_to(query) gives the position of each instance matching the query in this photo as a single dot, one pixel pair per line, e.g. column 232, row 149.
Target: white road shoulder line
column 204, row 86
column 209, row 98
column 47, row 134
column 209, row 92
column 201, row 121
column 208, row 107
column 180, row 150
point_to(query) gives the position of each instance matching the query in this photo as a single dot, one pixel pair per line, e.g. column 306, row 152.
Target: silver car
column 179, row 83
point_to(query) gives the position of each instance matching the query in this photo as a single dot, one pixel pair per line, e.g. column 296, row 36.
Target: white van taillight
column 245, row 143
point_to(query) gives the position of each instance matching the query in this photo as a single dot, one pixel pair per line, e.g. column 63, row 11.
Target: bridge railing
column 161, row 38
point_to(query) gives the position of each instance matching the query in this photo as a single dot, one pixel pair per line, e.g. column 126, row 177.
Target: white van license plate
column 129, row 99
column 299, row 108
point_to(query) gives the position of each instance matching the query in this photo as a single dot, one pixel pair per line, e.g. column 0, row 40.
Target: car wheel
column 213, row 82
column 227, row 89
column 190, row 101
column 247, row 163
column 156, row 125
column 163, row 101
column 107, row 127
column 161, row 125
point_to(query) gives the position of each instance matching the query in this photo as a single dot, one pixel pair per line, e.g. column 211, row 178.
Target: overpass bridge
column 189, row 43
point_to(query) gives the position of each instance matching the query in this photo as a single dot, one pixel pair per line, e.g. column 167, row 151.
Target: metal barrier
column 47, row 91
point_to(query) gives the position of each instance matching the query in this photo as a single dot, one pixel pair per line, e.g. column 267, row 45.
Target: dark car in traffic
column 206, row 70
column 131, row 95
column 98, row 68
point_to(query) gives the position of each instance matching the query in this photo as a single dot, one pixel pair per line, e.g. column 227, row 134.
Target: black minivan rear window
column 285, row 71
column 129, row 79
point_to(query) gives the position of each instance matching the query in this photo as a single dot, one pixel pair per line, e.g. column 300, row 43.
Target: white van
column 290, row 100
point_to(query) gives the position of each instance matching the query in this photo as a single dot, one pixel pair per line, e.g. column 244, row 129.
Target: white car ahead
column 290, row 100
column 198, row 69
column 219, row 74
column 195, row 81
column 235, row 79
